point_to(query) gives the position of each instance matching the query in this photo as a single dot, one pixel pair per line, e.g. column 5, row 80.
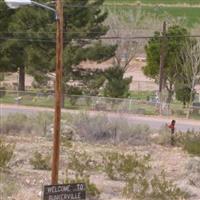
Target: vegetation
column 38, row 161
column 139, row 182
column 183, row 95
column 8, row 185
column 116, row 86
column 190, row 141
column 172, row 45
column 6, row 153
column 120, row 166
column 21, row 123
column 157, row 187
column 82, row 164
column 155, row 1
column 188, row 16
column 38, row 54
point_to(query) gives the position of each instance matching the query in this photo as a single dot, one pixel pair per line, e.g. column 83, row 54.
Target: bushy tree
column 25, row 47
column 116, row 84
column 35, row 46
column 173, row 45
column 183, row 94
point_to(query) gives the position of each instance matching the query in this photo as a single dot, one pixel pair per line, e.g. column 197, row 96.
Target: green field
column 190, row 16
column 156, row 1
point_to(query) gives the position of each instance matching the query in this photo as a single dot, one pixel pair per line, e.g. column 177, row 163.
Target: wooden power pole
column 162, row 63
column 58, row 92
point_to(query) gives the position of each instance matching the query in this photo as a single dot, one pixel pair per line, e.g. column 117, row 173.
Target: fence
column 142, row 107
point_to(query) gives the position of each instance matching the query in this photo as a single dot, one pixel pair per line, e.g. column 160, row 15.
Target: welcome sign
column 76, row 191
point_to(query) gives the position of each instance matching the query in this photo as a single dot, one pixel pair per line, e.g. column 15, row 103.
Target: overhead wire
column 103, row 37
column 98, row 38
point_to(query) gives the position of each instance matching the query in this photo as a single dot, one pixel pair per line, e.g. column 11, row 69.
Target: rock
column 39, row 194
column 67, row 131
column 28, row 181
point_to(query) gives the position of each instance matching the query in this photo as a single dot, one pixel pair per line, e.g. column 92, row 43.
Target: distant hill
column 197, row 2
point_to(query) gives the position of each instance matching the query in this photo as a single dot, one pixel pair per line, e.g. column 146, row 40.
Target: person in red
column 172, row 127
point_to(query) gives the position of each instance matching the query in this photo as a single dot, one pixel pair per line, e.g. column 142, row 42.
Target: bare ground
column 28, row 182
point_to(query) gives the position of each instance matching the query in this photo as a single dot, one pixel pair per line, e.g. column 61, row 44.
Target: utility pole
column 58, row 92
column 162, row 63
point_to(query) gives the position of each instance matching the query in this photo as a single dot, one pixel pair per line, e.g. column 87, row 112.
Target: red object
column 172, row 126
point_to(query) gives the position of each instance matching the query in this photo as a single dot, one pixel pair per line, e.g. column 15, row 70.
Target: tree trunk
column 169, row 96
column 191, row 100
column 21, row 85
column 63, row 96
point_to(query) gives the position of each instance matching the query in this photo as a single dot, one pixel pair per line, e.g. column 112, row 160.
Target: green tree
column 116, row 85
column 183, row 94
column 83, row 27
column 174, row 43
column 24, row 29
column 84, row 19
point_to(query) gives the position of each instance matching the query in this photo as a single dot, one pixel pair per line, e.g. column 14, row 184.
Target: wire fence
column 96, row 103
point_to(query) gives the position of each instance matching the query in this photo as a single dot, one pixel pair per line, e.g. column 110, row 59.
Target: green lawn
column 122, row 105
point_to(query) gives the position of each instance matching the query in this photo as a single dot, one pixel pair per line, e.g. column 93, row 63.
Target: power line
column 28, row 39
column 43, row 40
column 100, row 38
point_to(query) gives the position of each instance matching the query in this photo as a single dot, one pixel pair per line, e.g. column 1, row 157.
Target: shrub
column 8, row 185
column 123, row 166
column 6, row 153
column 164, row 189
column 15, row 123
column 164, row 136
column 82, row 164
column 190, row 141
column 92, row 191
column 193, row 171
column 66, row 142
column 92, row 128
column 139, row 182
column 21, row 123
column 40, row 162
column 100, row 128
column 41, row 121
column 156, row 187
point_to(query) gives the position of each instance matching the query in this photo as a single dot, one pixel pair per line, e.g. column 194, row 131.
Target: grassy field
column 190, row 16
column 156, row 1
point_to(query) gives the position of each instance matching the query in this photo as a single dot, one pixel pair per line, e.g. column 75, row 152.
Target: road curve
column 154, row 122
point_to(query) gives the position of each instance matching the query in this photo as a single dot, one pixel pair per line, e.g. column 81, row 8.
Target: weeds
column 21, row 123
column 190, row 141
column 6, row 153
column 139, row 182
column 121, row 166
column 92, row 191
column 40, row 162
column 101, row 128
column 156, row 187
column 82, row 164
column 8, row 186
column 193, row 171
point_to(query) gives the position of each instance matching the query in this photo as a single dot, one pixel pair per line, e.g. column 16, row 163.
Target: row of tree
column 27, row 44
column 181, row 63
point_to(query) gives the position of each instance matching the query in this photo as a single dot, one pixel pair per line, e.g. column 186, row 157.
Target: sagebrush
column 6, row 153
